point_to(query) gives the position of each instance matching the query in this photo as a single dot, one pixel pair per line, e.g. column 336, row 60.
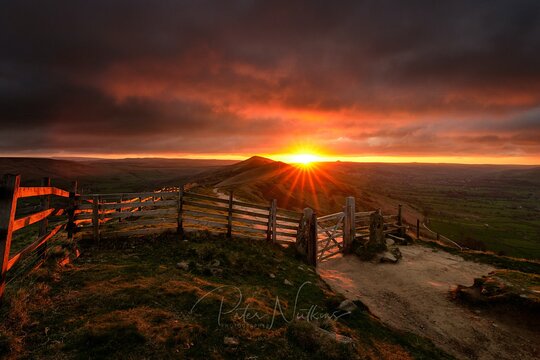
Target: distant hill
column 33, row 169
column 118, row 175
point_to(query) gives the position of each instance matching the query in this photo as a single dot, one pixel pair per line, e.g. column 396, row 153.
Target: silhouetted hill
column 295, row 187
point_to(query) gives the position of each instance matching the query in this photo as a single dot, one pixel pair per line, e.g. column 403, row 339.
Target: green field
column 486, row 211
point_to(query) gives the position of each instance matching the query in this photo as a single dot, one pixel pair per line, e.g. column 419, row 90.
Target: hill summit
column 260, row 179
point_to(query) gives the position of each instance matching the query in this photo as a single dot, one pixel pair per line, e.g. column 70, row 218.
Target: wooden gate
column 330, row 235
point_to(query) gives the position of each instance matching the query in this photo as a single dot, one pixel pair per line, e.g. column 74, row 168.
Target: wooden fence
column 105, row 216
column 426, row 234
column 336, row 232
column 60, row 217
column 125, row 214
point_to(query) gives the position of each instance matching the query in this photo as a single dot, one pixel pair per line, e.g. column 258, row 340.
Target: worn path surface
column 413, row 295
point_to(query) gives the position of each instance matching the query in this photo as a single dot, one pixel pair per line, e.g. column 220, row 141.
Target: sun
column 303, row 159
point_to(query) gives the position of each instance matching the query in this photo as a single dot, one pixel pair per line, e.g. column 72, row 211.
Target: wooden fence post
column 400, row 221
column 418, row 228
column 269, row 224
column 271, row 230
column 229, row 216
column 71, row 211
column 274, row 221
column 45, row 203
column 95, row 217
column 349, row 225
column 180, row 224
column 9, row 186
column 120, row 201
column 306, row 241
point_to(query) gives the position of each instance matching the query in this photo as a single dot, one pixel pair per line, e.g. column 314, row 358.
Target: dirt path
column 413, row 295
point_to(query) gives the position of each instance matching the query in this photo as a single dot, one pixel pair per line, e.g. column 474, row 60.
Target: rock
column 272, row 276
column 339, row 338
column 396, row 252
column 287, row 282
column 389, row 242
column 183, row 265
column 343, row 339
column 388, row 257
column 300, row 267
column 231, row 341
column 347, row 305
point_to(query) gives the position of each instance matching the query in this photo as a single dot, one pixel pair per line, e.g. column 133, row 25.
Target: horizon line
column 441, row 160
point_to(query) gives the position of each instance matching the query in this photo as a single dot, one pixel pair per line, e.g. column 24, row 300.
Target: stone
column 343, row 339
column 183, row 265
column 388, row 257
column 272, row 276
column 376, row 227
column 287, row 282
column 389, row 242
column 339, row 338
column 396, row 252
column 230, row 341
column 347, row 305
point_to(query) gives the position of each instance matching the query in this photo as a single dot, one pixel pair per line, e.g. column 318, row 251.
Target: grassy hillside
column 260, row 179
column 140, row 299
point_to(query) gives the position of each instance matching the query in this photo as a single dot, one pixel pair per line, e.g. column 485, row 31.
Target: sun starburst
column 305, row 160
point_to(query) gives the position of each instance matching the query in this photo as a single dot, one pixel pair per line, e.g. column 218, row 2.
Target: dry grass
column 135, row 303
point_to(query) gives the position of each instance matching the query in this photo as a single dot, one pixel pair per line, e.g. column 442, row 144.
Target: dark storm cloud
column 213, row 76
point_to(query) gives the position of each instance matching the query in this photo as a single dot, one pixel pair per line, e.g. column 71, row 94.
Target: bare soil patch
column 413, row 295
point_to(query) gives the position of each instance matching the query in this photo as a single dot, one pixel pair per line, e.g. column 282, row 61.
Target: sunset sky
column 454, row 81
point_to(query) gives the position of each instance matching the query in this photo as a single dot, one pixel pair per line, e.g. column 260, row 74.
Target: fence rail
column 10, row 193
column 101, row 216
column 105, row 215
